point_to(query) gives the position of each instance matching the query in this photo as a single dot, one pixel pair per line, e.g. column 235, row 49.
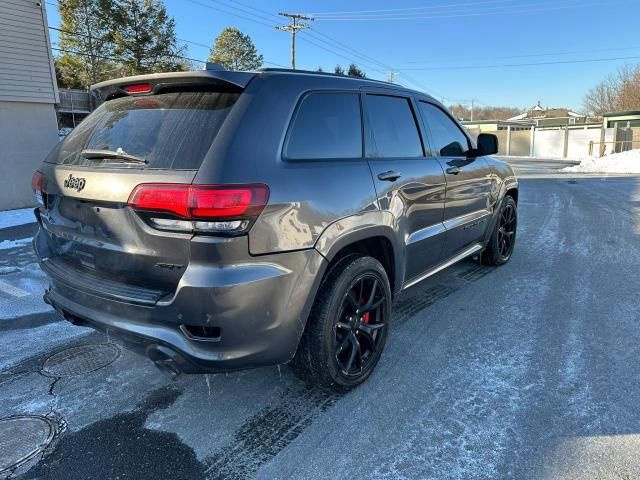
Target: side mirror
column 487, row 144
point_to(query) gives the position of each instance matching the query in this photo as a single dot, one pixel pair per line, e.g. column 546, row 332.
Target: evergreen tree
column 86, row 42
column 338, row 70
column 354, row 71
column 145, row 38
column 235, row 51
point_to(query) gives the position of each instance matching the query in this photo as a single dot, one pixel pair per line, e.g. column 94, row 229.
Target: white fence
column 565, row 142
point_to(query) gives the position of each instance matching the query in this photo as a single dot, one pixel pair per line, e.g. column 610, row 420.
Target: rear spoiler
column 229, row 81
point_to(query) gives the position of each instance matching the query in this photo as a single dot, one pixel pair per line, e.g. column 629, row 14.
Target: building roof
column 497, row 122
column 540, row 112
column 621, row 114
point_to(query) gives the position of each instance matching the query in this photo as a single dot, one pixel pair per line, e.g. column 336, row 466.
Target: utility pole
column 293, row 27
column 391, row 76
column 472, row 104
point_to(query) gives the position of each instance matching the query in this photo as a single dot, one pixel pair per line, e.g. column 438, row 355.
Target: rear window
column 169, row 131
column 326, row 126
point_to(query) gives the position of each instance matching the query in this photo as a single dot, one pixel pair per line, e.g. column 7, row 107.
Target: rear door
column 85, row 217
column 466, row 211
column 408, row 183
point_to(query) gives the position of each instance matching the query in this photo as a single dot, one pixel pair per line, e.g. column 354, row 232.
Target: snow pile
column 12, row 218
column 625, row 162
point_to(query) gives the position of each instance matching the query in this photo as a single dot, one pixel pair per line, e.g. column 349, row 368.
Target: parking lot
column 531, row 370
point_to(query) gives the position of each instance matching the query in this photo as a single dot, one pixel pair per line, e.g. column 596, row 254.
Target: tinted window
column 171, row 130
column 326, row 125
column 393, row 127
column 447, row 139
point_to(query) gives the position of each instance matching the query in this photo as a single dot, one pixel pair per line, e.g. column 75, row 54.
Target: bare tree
column 629, row 93
column 603, row 97
column 620, row 91
column 463, row 112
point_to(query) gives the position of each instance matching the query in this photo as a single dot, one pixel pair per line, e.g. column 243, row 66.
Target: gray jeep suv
column 220, row 220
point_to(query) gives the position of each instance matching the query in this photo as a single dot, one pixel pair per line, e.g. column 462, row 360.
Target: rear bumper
column 260, row 308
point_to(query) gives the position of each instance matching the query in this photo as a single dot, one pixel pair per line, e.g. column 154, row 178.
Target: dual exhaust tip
column 163, row 358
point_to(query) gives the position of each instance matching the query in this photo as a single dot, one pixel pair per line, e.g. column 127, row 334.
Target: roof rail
column 327, row 74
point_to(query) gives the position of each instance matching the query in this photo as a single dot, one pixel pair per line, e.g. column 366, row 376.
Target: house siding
column 28, row 92
column 28, row 132
column 26, row 64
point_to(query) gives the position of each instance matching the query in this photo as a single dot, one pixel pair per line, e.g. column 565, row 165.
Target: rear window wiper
column 119, row 155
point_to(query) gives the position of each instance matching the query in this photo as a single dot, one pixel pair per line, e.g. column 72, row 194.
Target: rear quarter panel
column 305, row 196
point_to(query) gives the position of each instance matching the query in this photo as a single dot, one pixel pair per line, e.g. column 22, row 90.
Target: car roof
column 239, row 80
column 345, row 78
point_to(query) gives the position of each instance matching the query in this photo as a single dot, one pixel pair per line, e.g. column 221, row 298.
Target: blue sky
column 430, row 40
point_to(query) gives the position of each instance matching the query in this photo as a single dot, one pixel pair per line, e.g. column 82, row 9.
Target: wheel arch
column 510, row 188
column 370, row 234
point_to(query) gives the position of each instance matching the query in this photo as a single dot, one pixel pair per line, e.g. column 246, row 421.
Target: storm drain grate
column 22, row 438
column 80, row 360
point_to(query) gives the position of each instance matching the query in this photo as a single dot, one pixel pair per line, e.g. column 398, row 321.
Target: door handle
column 453, row 170
column 389, row 176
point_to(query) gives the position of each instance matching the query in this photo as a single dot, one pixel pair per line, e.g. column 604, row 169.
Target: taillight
column 37, row 182
column 200, row 208
column 138, row 88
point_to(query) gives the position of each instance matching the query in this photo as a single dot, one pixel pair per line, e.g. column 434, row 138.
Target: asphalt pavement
column 530, row 370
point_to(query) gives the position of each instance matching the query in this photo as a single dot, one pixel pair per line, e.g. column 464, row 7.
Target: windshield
column 169, row 131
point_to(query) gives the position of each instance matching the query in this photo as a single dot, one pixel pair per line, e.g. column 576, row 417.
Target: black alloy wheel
column 348, row 326
column 359, row 327
column 500, row 247
column 507, row 230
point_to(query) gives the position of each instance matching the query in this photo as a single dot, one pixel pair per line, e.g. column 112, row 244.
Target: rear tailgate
column 93, row 229
column 87, row 226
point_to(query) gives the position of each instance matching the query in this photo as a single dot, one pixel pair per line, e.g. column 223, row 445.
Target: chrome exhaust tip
column 163, row 359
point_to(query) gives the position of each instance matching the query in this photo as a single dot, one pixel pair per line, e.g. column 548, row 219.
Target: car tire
column 348, row 326
column 503, row 237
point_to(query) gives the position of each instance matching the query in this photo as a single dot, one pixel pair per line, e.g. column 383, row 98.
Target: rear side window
column 393, row 128
column 447, row 138
column 326, row 125
column 170, row 130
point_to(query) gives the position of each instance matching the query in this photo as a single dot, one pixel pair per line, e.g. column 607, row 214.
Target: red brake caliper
column 365, row 317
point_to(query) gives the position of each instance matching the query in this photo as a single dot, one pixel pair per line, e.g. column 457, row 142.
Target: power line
column 546, row 54
column 508, row 65
column 249, row 10
column 266, row 16
column 68, row 32
column 485, row 12
column 205, row 5
column 168, row 55
column 429, row 7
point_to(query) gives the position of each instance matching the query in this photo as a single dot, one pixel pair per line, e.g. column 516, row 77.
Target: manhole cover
column 80, row 360
column 22, row 438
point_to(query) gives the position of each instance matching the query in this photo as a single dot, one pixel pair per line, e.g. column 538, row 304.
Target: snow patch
column 7, row 244
column 12, row 218
column 624, row 162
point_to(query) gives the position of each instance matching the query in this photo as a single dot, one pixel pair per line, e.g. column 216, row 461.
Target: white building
column 28, row 93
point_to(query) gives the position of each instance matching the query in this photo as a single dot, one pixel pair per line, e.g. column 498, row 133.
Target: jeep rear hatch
column 159, row 135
